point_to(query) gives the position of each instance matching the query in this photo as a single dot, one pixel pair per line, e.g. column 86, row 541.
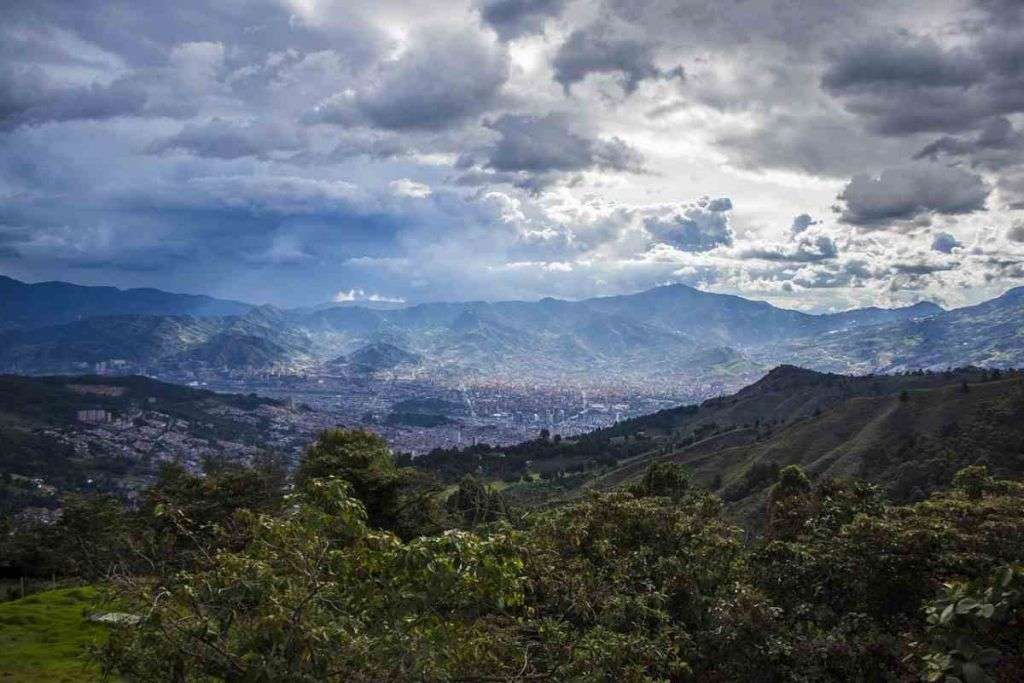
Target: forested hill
column 909, row 433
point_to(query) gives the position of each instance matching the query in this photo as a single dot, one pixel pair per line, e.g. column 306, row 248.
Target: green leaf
column 966, row 605
column 947, row 614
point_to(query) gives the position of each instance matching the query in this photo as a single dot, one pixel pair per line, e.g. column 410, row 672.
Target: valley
column 506, row 370
column 458, row 376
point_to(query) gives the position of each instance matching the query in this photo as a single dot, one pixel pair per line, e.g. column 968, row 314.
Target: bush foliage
column 366, row 571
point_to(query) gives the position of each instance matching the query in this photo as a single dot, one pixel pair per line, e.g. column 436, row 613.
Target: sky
column 818, row 154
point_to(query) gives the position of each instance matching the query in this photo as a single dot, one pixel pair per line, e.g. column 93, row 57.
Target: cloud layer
column 816, row 154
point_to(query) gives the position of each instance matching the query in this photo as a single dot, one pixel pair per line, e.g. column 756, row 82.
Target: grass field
column 43, row 637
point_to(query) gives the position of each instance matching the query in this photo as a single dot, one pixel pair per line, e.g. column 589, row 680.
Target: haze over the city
column 820, row 155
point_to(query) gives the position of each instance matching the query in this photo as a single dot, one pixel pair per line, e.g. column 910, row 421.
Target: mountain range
column 673, row 332
column 24, row 305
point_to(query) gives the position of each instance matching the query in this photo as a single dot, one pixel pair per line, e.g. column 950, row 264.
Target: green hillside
column 44, row 637
column 909, row 434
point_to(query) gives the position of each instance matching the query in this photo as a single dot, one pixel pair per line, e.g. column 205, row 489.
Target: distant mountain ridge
column 24, row 305
column 988, row 334
column 718, row 341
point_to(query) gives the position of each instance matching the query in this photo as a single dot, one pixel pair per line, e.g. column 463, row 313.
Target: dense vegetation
column 365, row 570
column 545, row 456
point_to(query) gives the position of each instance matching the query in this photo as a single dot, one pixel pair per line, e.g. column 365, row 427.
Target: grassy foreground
column 43, row 637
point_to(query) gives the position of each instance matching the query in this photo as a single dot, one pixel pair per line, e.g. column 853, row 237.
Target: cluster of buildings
column 147, row 435
column 485, row 411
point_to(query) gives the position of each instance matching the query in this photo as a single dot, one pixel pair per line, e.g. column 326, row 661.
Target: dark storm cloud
column 817, row 144
column 800, row 26
column 533, row 152
column 901, row 84
column 602, row 49
column 995, row 146
column 259, row 195
column 443, row 78
column 372, row 143
column 804, row 249
column 1004, row 12
column 10, row 237
column 945, row 243
column 900, row 61
column 511, row 19
column 222, row 139
column 907, row 192
column 549, row 143
column 28, row 98
column 698, row 228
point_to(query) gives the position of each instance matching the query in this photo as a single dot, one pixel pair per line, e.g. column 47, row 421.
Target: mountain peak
column 787, row 377
column 929, row 307
column 380, row 355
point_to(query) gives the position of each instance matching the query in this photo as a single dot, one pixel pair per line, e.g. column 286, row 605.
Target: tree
column 612, row 587
column 474, row 503
column 183, row 512
column 789, row 504
column 668, row 479
column 317, row 594
column 91, row 537
column 792, row 481
column 973, row 481
column 403, row 500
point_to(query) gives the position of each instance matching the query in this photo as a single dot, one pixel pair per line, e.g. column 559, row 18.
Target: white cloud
column 355, row 295
column 403, row 187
